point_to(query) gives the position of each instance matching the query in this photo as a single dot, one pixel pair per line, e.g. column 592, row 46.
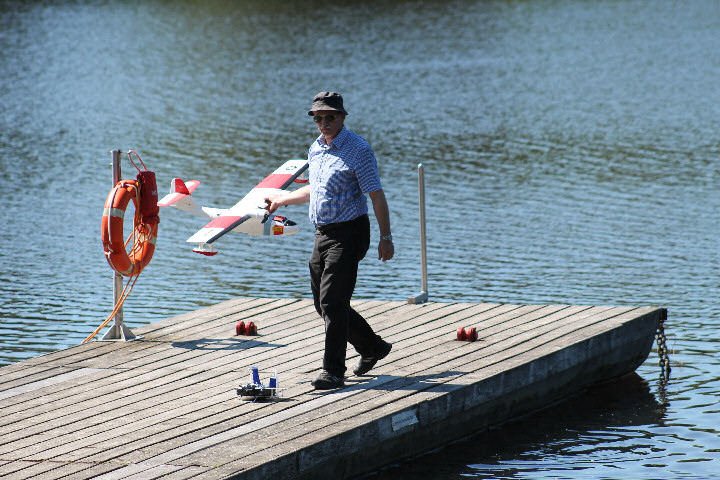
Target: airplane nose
column 283, row 226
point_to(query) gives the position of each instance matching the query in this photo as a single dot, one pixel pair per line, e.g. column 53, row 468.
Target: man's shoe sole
column 365, row 366
column 327, row 384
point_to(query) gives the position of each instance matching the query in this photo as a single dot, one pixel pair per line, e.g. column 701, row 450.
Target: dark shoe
column 366, row 363
column 326, row 381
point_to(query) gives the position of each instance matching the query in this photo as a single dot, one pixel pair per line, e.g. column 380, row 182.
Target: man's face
column 328, row 128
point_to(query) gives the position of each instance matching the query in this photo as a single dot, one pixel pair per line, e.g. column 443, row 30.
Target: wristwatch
column 386, row 237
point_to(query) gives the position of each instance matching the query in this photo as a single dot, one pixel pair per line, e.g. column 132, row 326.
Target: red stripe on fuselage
column 223, row 221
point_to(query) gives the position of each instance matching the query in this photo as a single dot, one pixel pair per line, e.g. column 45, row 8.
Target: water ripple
column 570, row 153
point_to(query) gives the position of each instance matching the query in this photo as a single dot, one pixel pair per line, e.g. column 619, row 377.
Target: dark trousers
column 333, row 272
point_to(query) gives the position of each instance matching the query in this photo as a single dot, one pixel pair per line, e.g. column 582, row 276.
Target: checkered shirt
column 340, row 176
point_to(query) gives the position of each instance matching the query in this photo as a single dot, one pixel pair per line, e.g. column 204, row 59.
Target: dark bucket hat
column 327, row 101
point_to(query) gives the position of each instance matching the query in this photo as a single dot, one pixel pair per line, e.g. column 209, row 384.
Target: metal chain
column 663, row 350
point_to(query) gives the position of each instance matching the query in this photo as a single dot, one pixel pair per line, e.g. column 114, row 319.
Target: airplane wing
column 253, row 204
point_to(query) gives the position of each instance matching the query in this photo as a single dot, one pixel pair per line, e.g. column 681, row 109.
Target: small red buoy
column 240, row 328
column 468, row 334
column 471, row 334
column 245, row 329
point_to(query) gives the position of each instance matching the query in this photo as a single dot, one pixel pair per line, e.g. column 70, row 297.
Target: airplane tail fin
column 180, row 196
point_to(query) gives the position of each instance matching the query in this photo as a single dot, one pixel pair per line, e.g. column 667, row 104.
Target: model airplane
column 247, row 216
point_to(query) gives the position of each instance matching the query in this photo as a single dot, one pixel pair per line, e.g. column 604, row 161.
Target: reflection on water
column 570, row 151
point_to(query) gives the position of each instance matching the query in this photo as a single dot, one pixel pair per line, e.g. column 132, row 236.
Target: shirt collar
column 337, row 141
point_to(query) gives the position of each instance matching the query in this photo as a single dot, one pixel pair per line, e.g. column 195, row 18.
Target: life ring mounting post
column 118, row 331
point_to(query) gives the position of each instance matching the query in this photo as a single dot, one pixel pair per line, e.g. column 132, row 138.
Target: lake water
column 571, row 151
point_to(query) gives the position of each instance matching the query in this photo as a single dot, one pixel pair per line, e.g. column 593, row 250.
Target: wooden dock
column 165, row 406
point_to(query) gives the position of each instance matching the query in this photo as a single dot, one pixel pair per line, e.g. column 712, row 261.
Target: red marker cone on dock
column 468, row 334
column 245, row 329
column 471, row 334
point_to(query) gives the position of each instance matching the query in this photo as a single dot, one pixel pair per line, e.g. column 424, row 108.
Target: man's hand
column 271, row 204
column 386, row 250
column 301, row 195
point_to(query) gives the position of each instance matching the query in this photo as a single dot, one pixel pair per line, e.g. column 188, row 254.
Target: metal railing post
column 118, row 331
column 422, row 297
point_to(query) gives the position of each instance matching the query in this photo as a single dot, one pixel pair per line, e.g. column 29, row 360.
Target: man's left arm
column 386, row 249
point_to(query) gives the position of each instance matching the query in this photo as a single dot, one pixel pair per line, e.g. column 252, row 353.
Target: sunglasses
column 319, row 118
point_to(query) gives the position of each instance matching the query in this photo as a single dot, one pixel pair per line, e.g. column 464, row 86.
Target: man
column 342, row 170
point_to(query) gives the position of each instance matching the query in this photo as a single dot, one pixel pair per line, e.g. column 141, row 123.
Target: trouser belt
column 334, row 226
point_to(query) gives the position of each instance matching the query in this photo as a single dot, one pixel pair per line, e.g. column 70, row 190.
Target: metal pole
column 422, row 297
column 118, row 331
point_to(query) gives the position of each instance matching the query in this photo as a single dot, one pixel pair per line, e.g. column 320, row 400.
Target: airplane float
column 249, row 215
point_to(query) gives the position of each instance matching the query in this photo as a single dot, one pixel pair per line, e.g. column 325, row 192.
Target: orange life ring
column 126, row 264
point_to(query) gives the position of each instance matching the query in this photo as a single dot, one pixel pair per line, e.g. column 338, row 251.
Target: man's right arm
column 301, row 195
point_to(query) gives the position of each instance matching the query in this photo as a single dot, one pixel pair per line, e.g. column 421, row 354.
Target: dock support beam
column 118, row 331
column 422, row 297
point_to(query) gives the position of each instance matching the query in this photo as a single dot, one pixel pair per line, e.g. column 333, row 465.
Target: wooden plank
column 165, row 405
column 234, row 434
